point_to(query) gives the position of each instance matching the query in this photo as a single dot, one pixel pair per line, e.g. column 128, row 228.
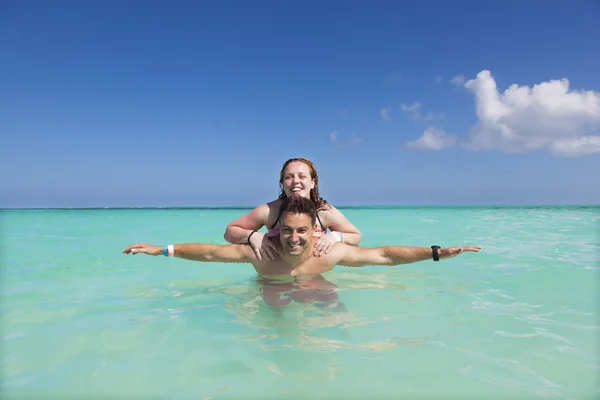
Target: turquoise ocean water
column 518, row 320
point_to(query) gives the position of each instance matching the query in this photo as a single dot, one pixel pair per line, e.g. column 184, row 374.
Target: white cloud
column 385, row 114
column 413, row 109
column 546, row 116
column 432, row 139
column 576, row 146
column 431, row 116
column 343, row 141
column 457, row 80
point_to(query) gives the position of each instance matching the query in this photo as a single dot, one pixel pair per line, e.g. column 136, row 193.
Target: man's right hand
column 263, row 247
column 143, row 248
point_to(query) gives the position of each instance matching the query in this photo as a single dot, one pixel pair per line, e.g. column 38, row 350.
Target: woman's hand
column 263, row 247
column 325, row 243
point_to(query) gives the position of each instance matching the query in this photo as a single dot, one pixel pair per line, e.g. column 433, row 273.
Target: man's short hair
column 299, row 205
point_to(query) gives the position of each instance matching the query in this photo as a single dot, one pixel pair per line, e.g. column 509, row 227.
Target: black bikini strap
column 322, row 226
column 276, row 221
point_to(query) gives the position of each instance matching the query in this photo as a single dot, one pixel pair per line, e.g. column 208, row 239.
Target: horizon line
column 349, row 206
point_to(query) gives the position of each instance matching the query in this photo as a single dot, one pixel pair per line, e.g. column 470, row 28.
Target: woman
column 298, row 177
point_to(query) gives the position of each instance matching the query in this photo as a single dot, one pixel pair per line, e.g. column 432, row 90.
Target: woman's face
column 297, row 180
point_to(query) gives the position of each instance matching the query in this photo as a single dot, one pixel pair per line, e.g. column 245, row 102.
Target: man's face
column 296, row 233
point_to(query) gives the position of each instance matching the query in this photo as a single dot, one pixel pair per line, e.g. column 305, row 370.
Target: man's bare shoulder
column 338, row 250
column 338, row 253
column 275, row 240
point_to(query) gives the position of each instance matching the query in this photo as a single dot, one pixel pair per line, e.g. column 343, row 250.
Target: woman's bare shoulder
column 328, row 210
column 271, row 210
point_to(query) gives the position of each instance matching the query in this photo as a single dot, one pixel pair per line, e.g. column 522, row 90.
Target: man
column 295, row 243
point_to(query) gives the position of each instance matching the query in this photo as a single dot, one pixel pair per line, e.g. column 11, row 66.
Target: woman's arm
column 342, row 230
column 243, row 230
column 239, row 230
column 336, row 221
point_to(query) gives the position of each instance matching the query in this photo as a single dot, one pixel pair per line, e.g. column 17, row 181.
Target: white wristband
column 339, row 235
column 170, row 250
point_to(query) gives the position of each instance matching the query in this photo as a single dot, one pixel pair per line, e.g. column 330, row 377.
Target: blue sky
column 187, row 103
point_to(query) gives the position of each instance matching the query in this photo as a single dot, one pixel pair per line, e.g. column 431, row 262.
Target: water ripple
column 544, row 386
column 539, row 333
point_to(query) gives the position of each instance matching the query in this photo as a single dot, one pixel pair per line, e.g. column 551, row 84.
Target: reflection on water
column 309, row 315
column 317, row 291
column 276, row 305
column 305, row 331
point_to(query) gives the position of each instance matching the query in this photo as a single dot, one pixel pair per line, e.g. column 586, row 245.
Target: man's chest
column 276, row 267
column 312, row 266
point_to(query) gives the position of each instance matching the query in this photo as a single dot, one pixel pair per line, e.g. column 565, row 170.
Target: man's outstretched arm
column 353, row 256
column 232, row 253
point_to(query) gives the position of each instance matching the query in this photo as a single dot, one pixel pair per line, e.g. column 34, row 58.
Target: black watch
column 436, row 256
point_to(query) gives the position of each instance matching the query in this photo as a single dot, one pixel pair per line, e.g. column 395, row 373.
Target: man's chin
column 295, row 251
